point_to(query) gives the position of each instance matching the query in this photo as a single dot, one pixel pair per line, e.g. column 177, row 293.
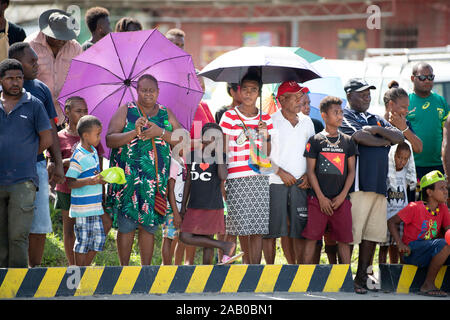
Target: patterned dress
column 135, row 199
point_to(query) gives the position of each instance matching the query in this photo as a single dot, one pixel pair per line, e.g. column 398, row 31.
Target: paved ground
column 311, row 296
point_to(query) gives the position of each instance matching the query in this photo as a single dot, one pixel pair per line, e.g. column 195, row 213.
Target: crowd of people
column 355, row 179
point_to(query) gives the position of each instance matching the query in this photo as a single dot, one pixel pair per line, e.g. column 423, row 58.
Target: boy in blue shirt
column 86, row 182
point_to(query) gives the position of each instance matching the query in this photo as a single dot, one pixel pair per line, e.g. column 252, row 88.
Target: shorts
column 42, row 223
column 287, row 203
column 62, row 201
column 127, row 225
column 422, row 251
column 369, row 212
column 168, row 229
column 339, row 223
column 89, row 234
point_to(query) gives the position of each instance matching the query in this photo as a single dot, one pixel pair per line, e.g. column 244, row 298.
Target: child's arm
column 173, row 203
column 337, row 201
column 393, row 224
column 73, row 183
column 186, row 191
column 222, row 168
column 325, row 203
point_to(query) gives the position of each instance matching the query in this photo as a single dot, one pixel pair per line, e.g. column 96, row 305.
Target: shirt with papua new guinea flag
column 427, row 117
column 331, row 161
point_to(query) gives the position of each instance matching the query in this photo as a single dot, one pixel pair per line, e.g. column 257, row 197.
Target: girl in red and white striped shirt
column 247, row 190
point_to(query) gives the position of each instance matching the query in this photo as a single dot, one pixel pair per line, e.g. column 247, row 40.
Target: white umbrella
column 275, row 64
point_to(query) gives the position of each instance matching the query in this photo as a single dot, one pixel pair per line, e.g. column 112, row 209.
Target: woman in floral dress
column 130, row 134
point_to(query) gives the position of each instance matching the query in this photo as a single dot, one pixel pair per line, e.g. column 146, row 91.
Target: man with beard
column 25, row 131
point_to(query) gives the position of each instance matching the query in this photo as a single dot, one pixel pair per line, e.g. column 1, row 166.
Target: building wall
column 426, row 24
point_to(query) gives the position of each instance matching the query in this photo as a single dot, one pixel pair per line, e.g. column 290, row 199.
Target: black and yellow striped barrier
column 406, row 278
column 88, row 281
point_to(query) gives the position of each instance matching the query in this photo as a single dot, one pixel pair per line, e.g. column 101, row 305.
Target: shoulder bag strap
column 155, row 153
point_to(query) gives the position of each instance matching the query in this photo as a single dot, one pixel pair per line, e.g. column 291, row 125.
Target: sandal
column 433, row 293
column 360, row 289
column 227, row 259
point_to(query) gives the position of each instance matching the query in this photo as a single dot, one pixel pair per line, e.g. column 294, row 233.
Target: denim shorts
column 422, row 251
column 41, row 221
column 127, row 225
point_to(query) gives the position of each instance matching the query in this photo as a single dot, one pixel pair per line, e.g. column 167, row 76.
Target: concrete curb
column 406, row 278
column 88, row 281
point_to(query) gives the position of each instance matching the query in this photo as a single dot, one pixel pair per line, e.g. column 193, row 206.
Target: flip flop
column 359, row 289
column 227, row 259
column 429, row 293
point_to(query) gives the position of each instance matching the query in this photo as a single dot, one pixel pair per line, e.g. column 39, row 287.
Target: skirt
column 203, row 221
column 248, row 205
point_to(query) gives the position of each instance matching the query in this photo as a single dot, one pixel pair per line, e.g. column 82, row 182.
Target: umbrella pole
column 260, row 93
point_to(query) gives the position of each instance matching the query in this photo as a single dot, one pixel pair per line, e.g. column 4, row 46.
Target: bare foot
column 229, row 248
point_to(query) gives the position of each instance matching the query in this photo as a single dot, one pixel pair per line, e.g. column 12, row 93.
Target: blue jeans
column 42, row 223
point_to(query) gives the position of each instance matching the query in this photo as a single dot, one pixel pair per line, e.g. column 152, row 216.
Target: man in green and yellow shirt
column 427, row 113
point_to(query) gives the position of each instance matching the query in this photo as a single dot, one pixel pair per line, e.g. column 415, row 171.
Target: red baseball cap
column 291, row 87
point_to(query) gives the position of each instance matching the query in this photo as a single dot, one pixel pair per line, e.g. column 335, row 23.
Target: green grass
column 54, row 255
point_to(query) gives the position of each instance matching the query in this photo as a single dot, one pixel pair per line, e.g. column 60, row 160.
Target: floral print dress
column 135, row 199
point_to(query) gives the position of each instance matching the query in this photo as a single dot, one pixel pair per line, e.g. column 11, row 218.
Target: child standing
column 423, row 222
column 203, row 216
column 331, row 170
column 83, row 177
column 74, row 108
column 398, row 180
column 172, row 222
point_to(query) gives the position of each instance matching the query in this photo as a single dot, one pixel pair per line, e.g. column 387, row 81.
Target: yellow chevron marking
column 302, row 278
column 163, row 279
column 126, row 280
column 50, row 283
column 199, row 279
column 268, row 278
column 336, row 277
column 89, row 281
column 234, row 277
column 11, row 283
column 406, row 278
column 440, row 277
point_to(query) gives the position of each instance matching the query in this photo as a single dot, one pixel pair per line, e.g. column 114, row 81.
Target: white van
column 381, row 66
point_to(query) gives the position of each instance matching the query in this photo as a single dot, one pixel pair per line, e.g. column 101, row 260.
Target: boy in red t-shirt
column 422, row 241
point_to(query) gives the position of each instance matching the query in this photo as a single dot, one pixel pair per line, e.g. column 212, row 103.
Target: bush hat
column 58, row 24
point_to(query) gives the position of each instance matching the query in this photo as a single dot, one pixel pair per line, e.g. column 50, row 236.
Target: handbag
column 160, row 199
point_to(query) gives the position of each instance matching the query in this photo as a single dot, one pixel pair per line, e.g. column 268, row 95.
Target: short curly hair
column 93, row 15
column 327, row 102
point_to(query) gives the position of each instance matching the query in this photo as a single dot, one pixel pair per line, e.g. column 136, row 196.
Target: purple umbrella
column 106, row 75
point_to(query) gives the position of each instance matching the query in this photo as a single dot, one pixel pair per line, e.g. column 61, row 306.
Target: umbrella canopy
column 329, row 84
column 106, row 75
column 277, row 64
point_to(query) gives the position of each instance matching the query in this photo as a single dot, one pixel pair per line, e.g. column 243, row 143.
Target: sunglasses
column 423, row 78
